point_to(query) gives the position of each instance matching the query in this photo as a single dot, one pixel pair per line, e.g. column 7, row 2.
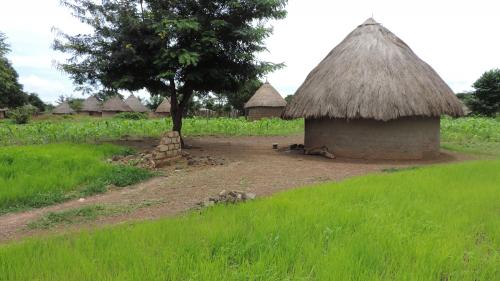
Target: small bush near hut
column 36, row 176
column 434, row 223
column 22, row 114
column 131, row 116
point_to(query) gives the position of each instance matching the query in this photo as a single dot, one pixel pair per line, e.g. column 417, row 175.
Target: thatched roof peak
column 164, row 107
column 63, row 108
column 370, row 21
column 116, row 104
column 91, row 104
column 136, row 104
column 266, row 96
column 373, row 74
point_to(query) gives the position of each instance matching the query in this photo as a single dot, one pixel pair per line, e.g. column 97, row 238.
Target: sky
column 458, row 38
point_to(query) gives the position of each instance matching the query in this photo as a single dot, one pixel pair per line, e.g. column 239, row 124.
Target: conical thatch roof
column 136, row 104
column 116, row 104
column 63, row 108
column 91, row 104
column 373, row 74
column 266, row 96
column 164, row 107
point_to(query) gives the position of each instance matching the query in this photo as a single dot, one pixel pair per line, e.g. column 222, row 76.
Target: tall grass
column 35, row 176
column 89, row 130
column 472, row 134
column 435, row 223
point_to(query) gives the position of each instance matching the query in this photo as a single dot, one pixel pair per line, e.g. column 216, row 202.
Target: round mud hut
column 163, row 109
column 114, row 106
column 266, row 103
column 136, row 104
column 63, row 109
column 91, row 107
column 373, row 98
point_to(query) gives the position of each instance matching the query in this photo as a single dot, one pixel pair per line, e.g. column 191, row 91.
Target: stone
column 163, row 148
column 171, row 146
column 159, row 155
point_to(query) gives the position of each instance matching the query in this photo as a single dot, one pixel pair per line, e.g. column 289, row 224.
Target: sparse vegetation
column 36, row 176
column 434, row 223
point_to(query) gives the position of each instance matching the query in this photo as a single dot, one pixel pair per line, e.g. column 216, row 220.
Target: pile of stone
column 228, row 197
column 141, row 160
column 169, row 149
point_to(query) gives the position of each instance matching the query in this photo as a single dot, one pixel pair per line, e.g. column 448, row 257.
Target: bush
column 22, row 115
column 132, row 115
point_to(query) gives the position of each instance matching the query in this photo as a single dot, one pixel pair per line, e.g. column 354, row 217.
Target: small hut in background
column 163, row 109
column 114, row 106
column 266, row 103
column 63, row 109
column 3, row 113
column 136, row 104
column 373, row 98
column 91, row 107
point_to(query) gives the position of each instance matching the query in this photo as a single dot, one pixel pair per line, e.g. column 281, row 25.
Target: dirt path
column 249, row 165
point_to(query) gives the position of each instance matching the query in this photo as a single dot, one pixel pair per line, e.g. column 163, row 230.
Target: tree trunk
column 177, row 122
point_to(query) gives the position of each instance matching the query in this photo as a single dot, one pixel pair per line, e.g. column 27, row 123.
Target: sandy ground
column 250, row 165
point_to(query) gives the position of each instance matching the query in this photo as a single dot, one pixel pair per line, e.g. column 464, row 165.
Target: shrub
column 132, row 115
column 22, row 115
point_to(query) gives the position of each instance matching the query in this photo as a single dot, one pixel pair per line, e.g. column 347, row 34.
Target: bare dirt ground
column 243, row 163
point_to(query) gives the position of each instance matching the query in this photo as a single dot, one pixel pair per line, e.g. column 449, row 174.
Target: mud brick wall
column 169, row 149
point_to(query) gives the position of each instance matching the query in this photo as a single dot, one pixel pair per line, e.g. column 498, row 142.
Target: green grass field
column 84, row 130
column 434, row 223
column 471, row 134
column 36, row 176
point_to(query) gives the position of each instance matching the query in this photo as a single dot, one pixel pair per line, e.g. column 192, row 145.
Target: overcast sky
column 460, row 39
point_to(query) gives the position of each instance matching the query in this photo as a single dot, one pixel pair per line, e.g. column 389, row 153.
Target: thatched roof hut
column 91, row 106
column 164, row 108
column 115, row 105
column 266, row 103
column 373, row 97
column 63, row 109
column 136, row 104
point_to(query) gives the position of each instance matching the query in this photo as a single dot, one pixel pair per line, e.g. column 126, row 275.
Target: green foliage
column 131, row 115
column 486, row 98
column 91, row 130
column 434, row 223
column 154, row 101
column 34, row 100
column 11, row 92
column 36, row 176
column 288, row 98
column 22, row 114
column 170, row 48
column 238, row 98
column 472, row 134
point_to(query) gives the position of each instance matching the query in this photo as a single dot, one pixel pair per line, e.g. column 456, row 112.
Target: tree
column 238, row 99
column 11, row 92
column 35, row 101
column 170, row 48
column 486, row 97
column 288, row 98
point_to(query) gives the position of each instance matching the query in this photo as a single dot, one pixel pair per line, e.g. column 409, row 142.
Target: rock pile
column 169, row 149
column 228, row 197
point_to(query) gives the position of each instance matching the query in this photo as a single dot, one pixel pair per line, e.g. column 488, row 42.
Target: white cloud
column 49, row 89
